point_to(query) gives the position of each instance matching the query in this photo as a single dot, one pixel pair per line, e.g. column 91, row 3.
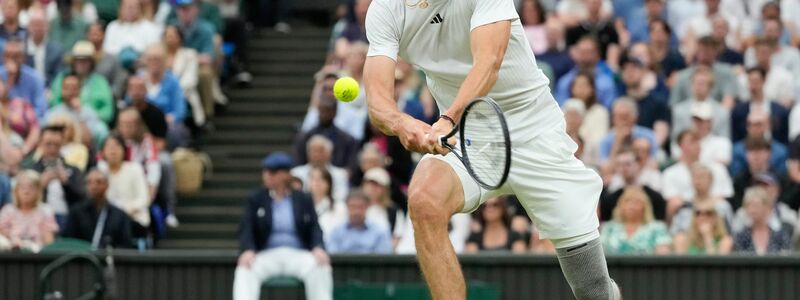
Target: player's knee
column 424, row 206
column 600, row 287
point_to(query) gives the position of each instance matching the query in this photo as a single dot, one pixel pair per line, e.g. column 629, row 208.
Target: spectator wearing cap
column 702, row 95
column 280, row 236
column 97, row 220
column 319, row 151
column 677, row 187
column 95, row 90
column 760, row 102
column 382, row 209
column 345, row 147
column 164, row 91
column 11, row 28
column 21, row 80
column 130, row 30
column 777, row 83
column 67, row 28
column 107, row 64
column 43, row 55
column 763, row 234
column 640, row 83
column 357, row 235
column 723, row 86
column 587, row 57
column 668, row 57
column 79, row 110
column 714, row 148
column 758, row 141
column 624, row 130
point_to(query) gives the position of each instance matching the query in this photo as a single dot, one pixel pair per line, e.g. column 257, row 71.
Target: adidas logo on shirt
column 437, row 19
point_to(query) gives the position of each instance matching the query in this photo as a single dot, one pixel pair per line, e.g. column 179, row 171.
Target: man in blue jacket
column 280, row 236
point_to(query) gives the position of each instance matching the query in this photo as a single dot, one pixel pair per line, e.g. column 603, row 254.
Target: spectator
column 182, row 62
column 62, row 182
column 596, row 119
column 630, row 174
column 355, row 31
column 555, row 55
column 574, row 114
column 28, row 223
column 791, row 194
column 758, row 144
column 399, row 166
column 67, row 28
column 280, row 236
column 22, row 81
column 587, row 58
column 74, row 151
column 572, row 12
column 495, row 232
column 677, row 187
column 358, row 235
column 680, row 12
column 669, row 58
column 777, row 84
column 79, row 110
column 142, row 148
column 714, row 148
column 533, row 18
column 83, row 8
column 758, row 159
column 198, row 34
column 273, row 12
column 785, row 56
column 127, row 184
column 319, row 151
column 624, row 130
column 157, row 11
column 760, row 102
column 11, row 28
column 633, row 230
column 759, row 237
column 95, row 90
column 640, row 84
column 729, row 41
column 652, row 82
column 164, row 92
column 345, row 147
column 19, row 116
column 599, row 26
column 702, row 178
column 43, row 55
column 707, row 234
column 701, row 25
column 97, row 220
column 107, row 64
column 153, row 118
column 131, row 30
column 703, row 82
column 723, row 86
column 329, row 214
column 383, row 210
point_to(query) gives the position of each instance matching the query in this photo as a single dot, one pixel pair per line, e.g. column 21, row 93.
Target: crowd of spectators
column 94, row 96
column 688, row 110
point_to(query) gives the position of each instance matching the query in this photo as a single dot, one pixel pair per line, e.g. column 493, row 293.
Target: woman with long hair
column 596, row 120
column 74, row 150
column 533, row 17
column 182, row 62
column 707, row 233
column 329, row 213
column 633, row 228
column 495, row 232
column 27, row 223
column 127, row 184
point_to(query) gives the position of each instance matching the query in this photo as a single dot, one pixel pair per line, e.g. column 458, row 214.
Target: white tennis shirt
column 436, row 39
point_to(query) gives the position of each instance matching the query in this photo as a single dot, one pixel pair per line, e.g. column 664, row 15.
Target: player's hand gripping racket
column 484, row 145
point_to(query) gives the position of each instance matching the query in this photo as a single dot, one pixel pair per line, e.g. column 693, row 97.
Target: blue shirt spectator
column 777, row 158
column 284, row 232
column 168, row 97
column 603, row 82
column 22, row 81
column 357, row 235
column 638, row 132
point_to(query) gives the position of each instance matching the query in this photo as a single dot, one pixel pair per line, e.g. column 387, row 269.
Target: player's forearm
column 379, row 84
column 384, row 115
column 479, row 82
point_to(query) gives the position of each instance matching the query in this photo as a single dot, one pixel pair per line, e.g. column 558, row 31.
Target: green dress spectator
column 95, row 90
column 633, row 229
column 66, row 29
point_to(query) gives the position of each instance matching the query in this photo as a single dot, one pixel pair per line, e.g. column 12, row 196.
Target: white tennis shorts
column 559, row 193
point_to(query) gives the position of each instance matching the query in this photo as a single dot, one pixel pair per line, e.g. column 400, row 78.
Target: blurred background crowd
column 686, row 108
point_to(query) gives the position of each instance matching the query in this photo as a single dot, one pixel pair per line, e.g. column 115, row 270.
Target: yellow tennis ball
column 346, row 89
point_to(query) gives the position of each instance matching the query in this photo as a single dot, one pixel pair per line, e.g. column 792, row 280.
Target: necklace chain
column 420, row 3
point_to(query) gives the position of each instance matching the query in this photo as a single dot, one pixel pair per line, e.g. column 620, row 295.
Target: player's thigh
column 437, row 187
column 559, row 193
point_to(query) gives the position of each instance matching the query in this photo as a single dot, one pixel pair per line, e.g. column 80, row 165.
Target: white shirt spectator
column 713, row 148
column 339, row 176
column 127, row 190
column 786, row 57
column 794, row 122
column 350, row 117
column 679, row 12
column 137, row 35
column 459, row 232
column 781, row 215
column 780, row 84
column 379, row 216
column 677, row 181
column 329, row 216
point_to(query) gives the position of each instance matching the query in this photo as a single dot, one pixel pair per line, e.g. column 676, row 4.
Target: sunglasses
column 707, row 213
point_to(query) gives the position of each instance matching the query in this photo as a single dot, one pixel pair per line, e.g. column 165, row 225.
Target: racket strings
column 484, row 143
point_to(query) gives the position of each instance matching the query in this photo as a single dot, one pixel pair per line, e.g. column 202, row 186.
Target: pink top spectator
column 23, row 228
column 21, row 116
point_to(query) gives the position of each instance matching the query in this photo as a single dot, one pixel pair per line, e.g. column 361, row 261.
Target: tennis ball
column 346, row 89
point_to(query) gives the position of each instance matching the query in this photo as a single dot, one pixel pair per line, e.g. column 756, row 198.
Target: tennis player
column 471, row 48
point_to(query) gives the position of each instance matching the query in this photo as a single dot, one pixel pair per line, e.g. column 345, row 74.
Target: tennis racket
column 484, row 145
